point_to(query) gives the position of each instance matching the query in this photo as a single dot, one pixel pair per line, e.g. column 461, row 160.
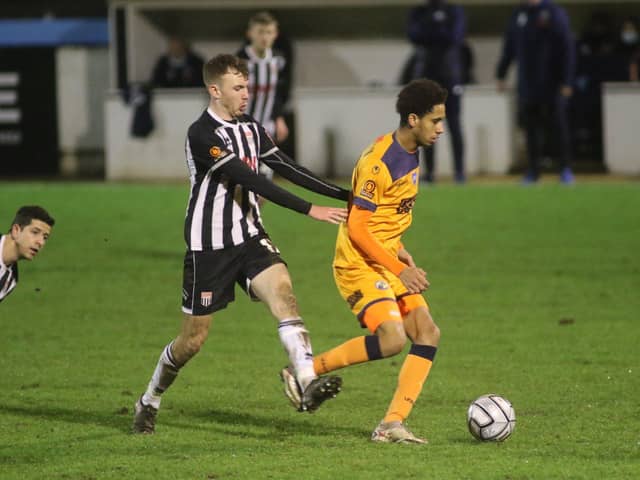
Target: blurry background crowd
column 106, row 88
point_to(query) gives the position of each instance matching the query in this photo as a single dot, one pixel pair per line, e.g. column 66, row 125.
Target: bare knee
column 392, row 338
column 434, row 333
column 284, row 304
column 428, row 333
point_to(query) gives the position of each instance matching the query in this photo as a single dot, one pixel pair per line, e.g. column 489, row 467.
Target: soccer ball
column 491, row 418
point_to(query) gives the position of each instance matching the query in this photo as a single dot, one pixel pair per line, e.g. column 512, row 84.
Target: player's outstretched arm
column 241, row 174
column 299, row 175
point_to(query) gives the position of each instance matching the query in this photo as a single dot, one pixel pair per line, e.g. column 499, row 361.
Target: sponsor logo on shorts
column 382, row 285
column 185, row 294
column 206, row 298
column 354, row 298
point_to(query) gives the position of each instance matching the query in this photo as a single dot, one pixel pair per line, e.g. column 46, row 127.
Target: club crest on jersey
column 382, row 285
column 215, row 152
column 368, row 188
column 206, row 298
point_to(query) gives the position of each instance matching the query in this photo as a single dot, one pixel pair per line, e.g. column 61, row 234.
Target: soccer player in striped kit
column 226, row 241
column 29, row 233
column 269, row 79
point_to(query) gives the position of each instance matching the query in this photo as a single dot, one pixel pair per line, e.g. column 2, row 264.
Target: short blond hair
column 263, row 18
column 221, row 64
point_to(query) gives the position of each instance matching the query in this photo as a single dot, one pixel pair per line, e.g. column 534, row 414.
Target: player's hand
column 406, row 258
column 415, row 279
column 328, row 214
column 282, row 131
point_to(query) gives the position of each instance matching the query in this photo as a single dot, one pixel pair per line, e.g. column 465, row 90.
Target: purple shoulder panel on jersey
column 399, row 161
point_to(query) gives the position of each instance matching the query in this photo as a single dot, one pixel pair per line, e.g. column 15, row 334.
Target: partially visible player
column 374, row 272
column 269, row 83
column 28, row 234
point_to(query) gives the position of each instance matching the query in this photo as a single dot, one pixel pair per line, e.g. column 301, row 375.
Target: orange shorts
column 375, row 297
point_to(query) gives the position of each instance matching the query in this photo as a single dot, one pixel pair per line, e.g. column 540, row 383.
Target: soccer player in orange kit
column 374, row 272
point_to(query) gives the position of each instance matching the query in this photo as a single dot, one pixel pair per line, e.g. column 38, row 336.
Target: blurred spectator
column 269, row 76
column 597, row 62
column 269, row 73
column 539, row 39
column 437, row 30
column 179, row 67
column 629, row 46
column 598, row 35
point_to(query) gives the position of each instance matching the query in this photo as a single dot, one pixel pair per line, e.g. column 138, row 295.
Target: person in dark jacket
column 179, row 67
column 437, row 30
column 539, row 39
column 628, row 47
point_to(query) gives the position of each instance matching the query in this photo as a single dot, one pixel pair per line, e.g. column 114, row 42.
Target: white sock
column 295, row 339
column 163, row 376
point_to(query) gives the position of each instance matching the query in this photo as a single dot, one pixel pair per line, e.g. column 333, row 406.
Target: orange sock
column 413, row 374
column 351, row 352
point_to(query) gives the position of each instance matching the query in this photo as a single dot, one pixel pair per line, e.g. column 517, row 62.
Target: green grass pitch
column 536, row 291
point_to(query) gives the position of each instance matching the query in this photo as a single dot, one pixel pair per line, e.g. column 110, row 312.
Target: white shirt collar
column 251, row 53
column 217, row 118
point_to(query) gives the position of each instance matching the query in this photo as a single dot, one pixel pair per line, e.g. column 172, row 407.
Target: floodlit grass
column 536, row 291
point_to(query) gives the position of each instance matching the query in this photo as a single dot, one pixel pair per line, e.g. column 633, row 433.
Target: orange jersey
column 384, row 182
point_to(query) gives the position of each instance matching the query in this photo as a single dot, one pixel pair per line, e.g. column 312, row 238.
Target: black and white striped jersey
column 8, row 274
column 223, row 160
column 267, row 85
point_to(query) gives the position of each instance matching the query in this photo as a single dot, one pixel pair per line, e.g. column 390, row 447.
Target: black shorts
column 209, row 277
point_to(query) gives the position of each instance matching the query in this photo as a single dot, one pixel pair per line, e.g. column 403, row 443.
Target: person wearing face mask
column 437, row 30
column 601, row 58
column 629, row 37
column 629, row 46
column 539, row 39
